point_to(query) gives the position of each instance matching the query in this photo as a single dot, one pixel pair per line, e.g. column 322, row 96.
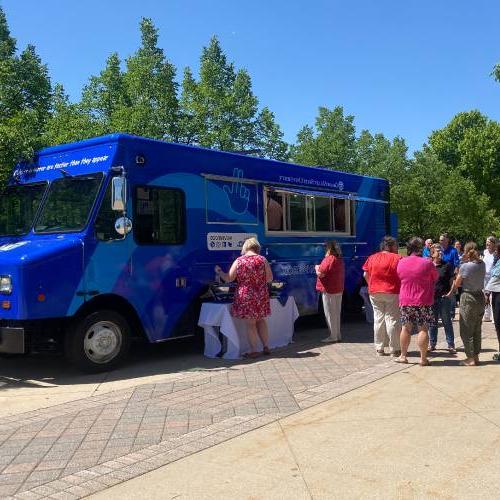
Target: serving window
column 301, row 212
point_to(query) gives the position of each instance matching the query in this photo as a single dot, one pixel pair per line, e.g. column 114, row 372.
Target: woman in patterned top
column 251, row 298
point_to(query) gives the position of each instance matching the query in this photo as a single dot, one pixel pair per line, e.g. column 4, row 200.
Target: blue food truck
column 118, row 236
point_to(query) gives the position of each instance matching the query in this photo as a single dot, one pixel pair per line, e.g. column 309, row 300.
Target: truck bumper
column 12, row 340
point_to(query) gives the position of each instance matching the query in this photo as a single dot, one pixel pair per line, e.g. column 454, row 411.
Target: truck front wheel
column 98, row 342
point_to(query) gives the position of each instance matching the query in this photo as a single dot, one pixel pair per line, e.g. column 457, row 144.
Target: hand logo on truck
column 237, row 194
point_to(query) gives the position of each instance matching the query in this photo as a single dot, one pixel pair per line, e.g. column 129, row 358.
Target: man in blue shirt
column 450, row 253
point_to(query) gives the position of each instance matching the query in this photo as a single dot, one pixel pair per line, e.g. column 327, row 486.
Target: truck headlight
column 5, row 285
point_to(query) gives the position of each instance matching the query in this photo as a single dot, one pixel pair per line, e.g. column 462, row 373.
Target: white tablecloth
column 216, row 317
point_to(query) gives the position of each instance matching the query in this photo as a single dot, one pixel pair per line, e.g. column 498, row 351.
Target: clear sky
column 400, row 67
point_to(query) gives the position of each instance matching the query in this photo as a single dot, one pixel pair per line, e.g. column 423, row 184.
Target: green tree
column 106, row 93
column 151, row 105
column 379, row 157
column 434, row 198
column 25, row 96
column 330, row 144
column 470, row 143
column 270, row 137
column 445, row 143
column 219, row 109
column 496, row 72
column 141, row 100
column 70, row 122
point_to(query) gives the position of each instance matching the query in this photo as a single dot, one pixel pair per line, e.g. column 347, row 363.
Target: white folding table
column 216, row 317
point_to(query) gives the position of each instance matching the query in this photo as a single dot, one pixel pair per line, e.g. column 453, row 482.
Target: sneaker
column 328, row 340
column 496, row 356
column 451, row 349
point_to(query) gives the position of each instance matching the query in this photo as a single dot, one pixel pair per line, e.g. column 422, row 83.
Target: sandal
column 380, row 352
column 251, row 355
column 401, row 360
column 425, row 363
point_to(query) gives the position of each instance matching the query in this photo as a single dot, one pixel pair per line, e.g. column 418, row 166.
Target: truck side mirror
column 118, row 193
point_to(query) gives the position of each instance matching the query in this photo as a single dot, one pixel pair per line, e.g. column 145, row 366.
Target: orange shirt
column 382, row 272
column 333, row 281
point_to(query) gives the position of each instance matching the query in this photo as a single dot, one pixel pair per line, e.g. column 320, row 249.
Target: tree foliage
column 470, row 144
column 25, row 99
column 330, row 144
column 220, row 109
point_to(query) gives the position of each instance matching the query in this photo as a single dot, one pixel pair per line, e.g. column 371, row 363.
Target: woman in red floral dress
column 251, row 298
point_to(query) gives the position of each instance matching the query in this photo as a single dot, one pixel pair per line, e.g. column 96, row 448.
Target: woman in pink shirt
column 416, row 296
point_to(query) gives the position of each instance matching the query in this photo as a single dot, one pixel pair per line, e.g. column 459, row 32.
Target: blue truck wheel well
column 114, row 303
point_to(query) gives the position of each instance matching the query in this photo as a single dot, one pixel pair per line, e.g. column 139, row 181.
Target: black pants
column 495, row 304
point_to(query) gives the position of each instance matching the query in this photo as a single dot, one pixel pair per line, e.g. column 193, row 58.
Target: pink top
column 417, row 275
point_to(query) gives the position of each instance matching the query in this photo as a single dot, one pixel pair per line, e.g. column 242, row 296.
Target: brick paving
column 78, row 448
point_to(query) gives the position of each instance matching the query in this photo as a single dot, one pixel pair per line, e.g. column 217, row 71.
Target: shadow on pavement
column 181, row 355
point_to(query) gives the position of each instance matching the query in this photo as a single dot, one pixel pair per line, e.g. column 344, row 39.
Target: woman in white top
column 488, row 258
column 493, row 288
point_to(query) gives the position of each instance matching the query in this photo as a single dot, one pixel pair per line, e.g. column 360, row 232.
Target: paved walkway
column 86, row 445
column 420, row 433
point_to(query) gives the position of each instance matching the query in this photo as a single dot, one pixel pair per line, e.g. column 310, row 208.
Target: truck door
column 161, row 264
column 107, row 256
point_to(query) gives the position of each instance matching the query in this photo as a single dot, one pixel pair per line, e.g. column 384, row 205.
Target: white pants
column 386, row 325
column 332, row 305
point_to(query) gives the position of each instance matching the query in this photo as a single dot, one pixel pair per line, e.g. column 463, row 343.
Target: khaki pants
column 386, row 324
column 332, row 305
column 471, row 316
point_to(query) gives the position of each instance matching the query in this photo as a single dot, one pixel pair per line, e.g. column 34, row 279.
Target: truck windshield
column 18, row 207
column 68, row 204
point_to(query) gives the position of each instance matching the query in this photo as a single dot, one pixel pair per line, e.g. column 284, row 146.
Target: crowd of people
column 407, row 295
column 411, row 294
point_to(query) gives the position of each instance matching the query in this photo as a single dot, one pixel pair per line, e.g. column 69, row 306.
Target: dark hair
column 415, row 245
column 333, row 248
column 388, row 242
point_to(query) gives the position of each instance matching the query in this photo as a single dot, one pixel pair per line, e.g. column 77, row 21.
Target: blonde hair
column 436, row 247
column 250, row 244
column 471, row 252
column 333, row 248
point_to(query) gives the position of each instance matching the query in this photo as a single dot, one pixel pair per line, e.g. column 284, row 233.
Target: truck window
column 68, row 204
column 340, row 215
column 307, row 212
column 322, row 214
column 297, row 212
column 18, row 207
column 106, row 218
column 159, row 216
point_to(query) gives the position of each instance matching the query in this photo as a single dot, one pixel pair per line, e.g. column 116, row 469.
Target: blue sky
column 401, row 68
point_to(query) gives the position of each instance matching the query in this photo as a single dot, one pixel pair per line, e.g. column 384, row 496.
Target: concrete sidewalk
column 418, row 433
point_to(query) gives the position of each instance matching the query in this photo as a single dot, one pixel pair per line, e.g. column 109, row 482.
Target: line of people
column 408, row 294
column 411, row 294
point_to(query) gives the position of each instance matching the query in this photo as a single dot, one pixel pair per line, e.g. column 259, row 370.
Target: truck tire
column 98, row 342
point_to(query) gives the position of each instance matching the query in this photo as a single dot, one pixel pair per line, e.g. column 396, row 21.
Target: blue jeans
column 442, row 308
